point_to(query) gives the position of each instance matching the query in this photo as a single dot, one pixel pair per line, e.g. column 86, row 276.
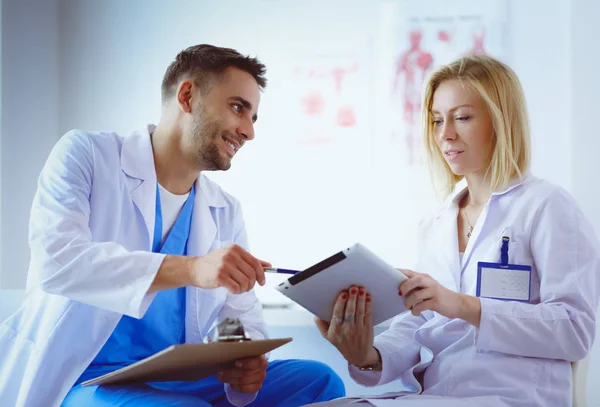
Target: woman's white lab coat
column 91, row 229
column 519, row 356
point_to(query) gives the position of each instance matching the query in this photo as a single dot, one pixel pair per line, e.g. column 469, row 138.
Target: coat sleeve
column 247, row 308
column 64, row 259
column 566, row 253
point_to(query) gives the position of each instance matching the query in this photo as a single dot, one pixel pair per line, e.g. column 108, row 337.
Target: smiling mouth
column 233, row 146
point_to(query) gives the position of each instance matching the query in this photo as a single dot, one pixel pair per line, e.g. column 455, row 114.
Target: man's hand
column 231, row 267
column 247, row 376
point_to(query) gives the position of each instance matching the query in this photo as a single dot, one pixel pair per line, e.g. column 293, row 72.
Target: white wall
column 29, row 121
column 121, row 38
column 540, row 49
column 585, row 135
column 102, row 43
column 584, row 105
column 0, row 144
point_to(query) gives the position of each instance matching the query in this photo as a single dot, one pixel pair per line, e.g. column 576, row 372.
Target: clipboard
column 188, row 362
column 317, row 287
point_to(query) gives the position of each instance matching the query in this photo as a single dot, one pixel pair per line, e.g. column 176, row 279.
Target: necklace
column 469, row 222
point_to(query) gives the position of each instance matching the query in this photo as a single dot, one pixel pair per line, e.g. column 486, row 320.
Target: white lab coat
column 91, row 229
column 519, row 357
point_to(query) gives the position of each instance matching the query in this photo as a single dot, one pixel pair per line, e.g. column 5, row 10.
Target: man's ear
column 184, row 95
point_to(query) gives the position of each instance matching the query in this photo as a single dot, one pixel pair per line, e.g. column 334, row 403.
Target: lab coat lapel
column 474, row 240
column 202, row 239
column 204, row 228
column 447, row 242
column 480, row 227
column 137, row 163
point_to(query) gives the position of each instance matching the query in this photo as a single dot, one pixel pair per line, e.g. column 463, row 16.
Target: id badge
column 503, row 281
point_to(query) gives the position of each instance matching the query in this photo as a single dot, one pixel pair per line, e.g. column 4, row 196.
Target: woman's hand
column 421, row 292
column 351, row 328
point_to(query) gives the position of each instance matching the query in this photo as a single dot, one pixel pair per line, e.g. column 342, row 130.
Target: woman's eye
column 437, row 122
column 463, row 118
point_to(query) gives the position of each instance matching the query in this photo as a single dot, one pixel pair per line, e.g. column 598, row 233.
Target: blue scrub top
column 163, row 323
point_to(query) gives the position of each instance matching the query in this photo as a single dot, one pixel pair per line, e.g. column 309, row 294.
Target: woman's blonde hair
column 501, row 91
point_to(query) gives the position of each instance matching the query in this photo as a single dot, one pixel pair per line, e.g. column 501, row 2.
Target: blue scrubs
column 163, row 323
column 288, row 383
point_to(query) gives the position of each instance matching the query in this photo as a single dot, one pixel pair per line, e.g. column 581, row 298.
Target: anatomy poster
column 330, row 101
column 430, row 33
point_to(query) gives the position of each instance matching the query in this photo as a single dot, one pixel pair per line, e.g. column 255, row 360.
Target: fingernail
column 368, row 299
column 353, row 290
column 362, row 291
column 344, row 296
column 400, row 292
column 262, row 282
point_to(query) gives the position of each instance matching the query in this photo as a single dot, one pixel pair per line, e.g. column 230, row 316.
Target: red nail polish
column 368, row 299
column 344, row 296
column 353, row 290
column 362, row 291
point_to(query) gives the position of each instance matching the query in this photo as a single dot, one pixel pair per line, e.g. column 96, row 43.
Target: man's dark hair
column 206, row 62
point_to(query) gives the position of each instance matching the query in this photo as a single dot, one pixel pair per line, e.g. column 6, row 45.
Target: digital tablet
column 317, row 287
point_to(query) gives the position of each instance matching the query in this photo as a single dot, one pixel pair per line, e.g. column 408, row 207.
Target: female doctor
column 506, row 286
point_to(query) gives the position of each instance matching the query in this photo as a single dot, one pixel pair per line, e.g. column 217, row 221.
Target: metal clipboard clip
column 228, row 330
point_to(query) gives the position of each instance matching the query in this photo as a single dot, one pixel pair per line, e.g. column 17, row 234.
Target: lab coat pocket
column 510, row 368
column 214, row 294
column 17, row 354
column 492, row 255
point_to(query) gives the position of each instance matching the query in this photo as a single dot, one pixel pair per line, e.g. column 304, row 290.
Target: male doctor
column 133, row 249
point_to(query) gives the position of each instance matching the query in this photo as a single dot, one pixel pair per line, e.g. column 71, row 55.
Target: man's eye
column 237, row 107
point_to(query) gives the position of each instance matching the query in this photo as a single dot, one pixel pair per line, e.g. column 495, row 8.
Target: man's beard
column 206, row 135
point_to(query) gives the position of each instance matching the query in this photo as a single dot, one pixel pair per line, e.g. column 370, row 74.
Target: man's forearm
column 174, row 272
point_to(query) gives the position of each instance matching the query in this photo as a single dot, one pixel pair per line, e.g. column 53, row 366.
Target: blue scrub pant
column 289, row 383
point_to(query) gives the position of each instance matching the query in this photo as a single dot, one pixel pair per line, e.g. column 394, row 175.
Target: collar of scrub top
column 176, row 242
